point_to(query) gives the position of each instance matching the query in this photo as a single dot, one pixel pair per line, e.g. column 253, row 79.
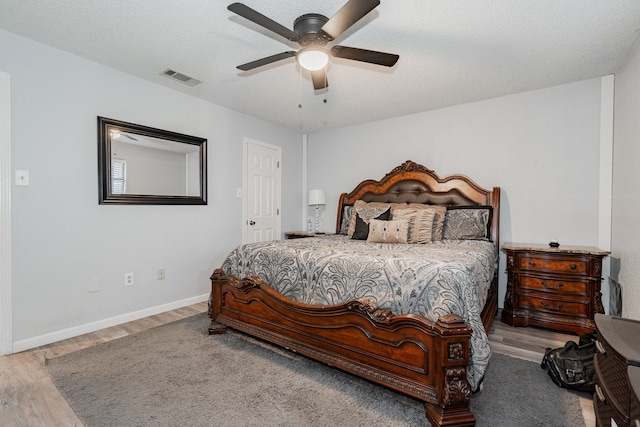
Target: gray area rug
column 177, row 375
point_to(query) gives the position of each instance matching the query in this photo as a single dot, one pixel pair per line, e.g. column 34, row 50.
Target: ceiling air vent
column 182, row 78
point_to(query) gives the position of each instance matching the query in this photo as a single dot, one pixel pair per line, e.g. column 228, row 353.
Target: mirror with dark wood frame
column 143, row 165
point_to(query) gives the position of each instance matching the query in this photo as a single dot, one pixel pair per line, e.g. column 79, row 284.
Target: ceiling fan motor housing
column 308, row 28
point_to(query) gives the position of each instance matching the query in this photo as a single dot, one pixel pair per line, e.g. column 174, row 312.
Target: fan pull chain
column 325, row 85
column 300, row 88
column 300, row 99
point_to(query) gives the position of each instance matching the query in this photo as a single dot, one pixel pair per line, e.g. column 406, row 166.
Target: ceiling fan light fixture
column 312, row 58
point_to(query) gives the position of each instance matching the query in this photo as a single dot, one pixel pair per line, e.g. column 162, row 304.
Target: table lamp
column 316, row 199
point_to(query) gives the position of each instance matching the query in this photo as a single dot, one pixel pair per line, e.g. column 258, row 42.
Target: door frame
column 245, row 179
column 6, row 327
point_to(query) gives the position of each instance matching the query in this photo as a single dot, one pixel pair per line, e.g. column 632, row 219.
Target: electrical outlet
column 94, row 284
column 128, row 279
column 161, row 274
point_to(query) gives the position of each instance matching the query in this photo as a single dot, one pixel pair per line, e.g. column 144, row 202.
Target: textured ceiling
column 451, row 51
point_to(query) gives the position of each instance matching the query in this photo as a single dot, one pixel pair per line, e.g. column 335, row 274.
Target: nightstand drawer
column 605, row 412
column 553, row 285
column 555, row 306
column 573, row 266
column 613, row 367
column 602, row 410
column 633, row 373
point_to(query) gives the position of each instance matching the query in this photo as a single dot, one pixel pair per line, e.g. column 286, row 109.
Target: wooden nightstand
column 555, row 288
column 617, row 366
column 301, row 234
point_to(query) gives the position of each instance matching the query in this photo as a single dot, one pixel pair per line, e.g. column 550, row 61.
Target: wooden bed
column 408, row 353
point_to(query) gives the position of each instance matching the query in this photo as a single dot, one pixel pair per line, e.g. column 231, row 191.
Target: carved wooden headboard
column 414, row 183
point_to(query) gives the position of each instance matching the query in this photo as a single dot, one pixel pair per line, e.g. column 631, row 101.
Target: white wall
column 541, row 148
column 62, row 237
column 626, row 178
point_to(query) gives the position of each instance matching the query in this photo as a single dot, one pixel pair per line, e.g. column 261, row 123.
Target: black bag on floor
column 572, row 366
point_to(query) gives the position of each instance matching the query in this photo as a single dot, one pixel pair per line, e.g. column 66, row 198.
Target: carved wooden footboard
column 407, row 353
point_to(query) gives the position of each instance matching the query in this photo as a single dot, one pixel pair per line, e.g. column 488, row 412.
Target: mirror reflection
column 146, row 165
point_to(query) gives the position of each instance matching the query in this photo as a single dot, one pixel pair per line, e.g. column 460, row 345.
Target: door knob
column 252, row 223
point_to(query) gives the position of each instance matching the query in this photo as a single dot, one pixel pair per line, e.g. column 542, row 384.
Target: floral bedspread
column 450, row 276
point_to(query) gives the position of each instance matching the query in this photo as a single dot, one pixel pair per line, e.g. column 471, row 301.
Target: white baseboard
column 64, row 334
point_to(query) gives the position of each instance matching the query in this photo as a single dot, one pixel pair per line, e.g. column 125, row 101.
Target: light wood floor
column 29, row 398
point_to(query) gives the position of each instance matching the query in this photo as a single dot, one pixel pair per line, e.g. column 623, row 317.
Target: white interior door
column 262, row 219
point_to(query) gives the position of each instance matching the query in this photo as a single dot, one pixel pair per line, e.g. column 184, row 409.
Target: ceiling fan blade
column 264, row 61
column 363, row 55
column 348, row 15
column 263, row 21
column 319, row 79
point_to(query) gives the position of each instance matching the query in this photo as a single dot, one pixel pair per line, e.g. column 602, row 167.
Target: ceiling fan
column 313, row 31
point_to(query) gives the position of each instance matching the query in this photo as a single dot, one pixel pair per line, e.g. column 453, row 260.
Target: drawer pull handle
column 600, row 393
column 573, row 266
column 548, row 286
column 600, row 347
column 531, row 263
column 548, row 307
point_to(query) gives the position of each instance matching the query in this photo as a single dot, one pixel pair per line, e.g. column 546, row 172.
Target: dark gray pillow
column 362, row 228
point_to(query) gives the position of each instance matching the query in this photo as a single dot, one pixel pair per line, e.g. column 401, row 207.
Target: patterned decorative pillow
column 467, row 223
column 438, row 218
column 438, row 223
column 367, row 211
column 346, row 219
column 362, row 228
column 420, row 222
column 393, row 231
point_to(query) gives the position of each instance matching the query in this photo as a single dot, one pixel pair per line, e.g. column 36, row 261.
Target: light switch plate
column 94, row 284
column 22, row 177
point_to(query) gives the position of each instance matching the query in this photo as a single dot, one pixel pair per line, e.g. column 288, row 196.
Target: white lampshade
column 316, row 197
column 312, row 59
